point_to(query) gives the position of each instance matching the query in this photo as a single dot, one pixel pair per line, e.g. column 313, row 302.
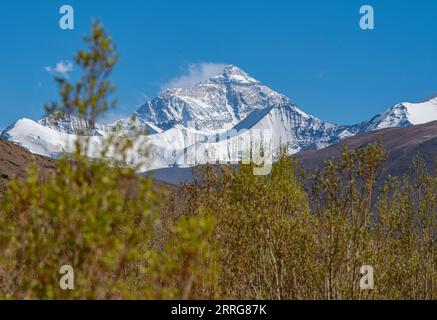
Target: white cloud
column 194, row 74
column 62, row 68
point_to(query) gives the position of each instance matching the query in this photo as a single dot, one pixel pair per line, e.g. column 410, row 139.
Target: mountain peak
column 212, row 106
column 234, row 74
column 404, row 114
column 231, row 69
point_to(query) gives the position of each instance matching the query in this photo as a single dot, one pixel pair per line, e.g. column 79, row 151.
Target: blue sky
column 312, row 51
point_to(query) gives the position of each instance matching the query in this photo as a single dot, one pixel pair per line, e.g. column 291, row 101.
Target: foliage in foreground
column 284, row 237
column 96, row 215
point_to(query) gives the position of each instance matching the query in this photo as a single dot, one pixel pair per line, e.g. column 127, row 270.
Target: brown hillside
column 14, row 160
column 403, row 144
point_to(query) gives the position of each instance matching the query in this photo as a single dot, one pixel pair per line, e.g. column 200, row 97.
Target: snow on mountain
column 212, row 106
column 71, row 125
column 212, row 121
column 46, row 141
column 270, row 128
column 403, row 115
column 164, row 147
column 38, row 138
column 129, row 123
column 223, row 107
column 293, row 128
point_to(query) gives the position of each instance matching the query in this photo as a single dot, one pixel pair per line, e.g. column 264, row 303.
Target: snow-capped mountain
column 403, row 115
column 38, row 138
column 231, row 102
column 209, row 120
column 293, row 128
column 50, row 142
column 212, row 106
column 269, row 128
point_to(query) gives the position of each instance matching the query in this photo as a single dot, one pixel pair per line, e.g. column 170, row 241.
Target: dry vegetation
column 286, row 236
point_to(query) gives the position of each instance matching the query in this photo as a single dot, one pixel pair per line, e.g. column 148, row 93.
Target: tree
column 262, row 235
column 95, row 215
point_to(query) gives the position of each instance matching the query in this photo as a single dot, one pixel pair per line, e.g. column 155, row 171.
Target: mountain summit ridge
column 215, row 105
